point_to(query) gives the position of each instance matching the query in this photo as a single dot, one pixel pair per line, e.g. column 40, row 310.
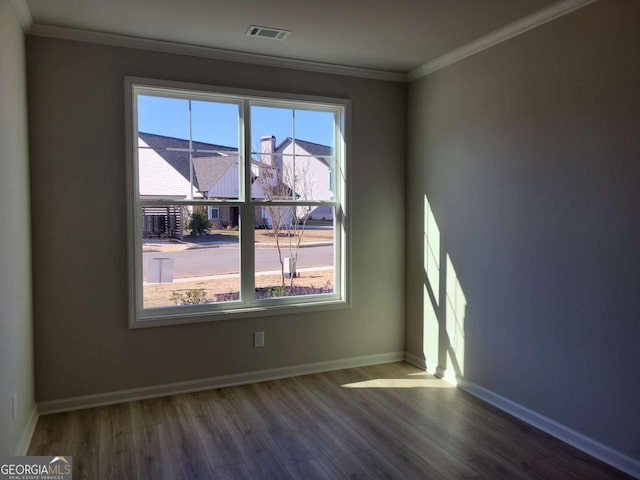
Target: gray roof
column 311, row 147
column 209, row 170
column 209, row 167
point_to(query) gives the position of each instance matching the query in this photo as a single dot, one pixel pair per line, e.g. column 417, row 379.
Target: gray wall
column 82, row 342
column 529, row 154
column 16, row 343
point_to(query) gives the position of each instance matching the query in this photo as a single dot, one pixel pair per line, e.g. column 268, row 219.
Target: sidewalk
column 223, row 276
column 181, row 245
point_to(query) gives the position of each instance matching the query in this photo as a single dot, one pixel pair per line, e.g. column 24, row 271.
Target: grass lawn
column 267, row 236
column 159, row 295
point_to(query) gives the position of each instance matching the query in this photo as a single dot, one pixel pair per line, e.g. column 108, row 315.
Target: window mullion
column 190, row 151
column 293, row 159
column 247, row 257
column 339, row 251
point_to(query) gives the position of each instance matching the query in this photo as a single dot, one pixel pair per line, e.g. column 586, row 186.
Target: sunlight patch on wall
column 430, row 331
column 431, row 290
column 456, row 305
column 443, row 317
column 431, row 250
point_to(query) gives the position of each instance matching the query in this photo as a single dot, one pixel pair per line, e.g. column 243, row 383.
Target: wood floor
column 386, row 421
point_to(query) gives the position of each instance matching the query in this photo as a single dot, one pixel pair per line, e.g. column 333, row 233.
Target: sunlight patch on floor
column 400, row 383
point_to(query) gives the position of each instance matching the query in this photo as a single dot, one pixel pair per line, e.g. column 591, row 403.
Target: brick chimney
column 267, row 148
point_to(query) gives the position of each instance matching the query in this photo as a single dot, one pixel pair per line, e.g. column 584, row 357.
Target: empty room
column 332, row 239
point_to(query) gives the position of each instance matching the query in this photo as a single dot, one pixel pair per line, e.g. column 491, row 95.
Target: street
column 212, row 261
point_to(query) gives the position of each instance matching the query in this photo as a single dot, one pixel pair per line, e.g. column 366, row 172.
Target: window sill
column 186, row 317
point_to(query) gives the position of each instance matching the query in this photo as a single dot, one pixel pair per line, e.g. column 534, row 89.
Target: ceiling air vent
column 268, row 32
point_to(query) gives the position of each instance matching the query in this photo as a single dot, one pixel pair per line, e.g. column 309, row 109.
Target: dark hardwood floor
column 385, row 421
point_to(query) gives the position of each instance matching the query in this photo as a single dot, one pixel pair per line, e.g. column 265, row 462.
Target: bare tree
column 284, row 180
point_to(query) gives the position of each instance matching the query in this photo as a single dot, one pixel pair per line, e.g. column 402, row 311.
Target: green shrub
column 199, row 223
column 279, row 291
column 190, row 297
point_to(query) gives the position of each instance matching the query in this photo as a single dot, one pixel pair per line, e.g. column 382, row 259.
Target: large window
column 237, row 203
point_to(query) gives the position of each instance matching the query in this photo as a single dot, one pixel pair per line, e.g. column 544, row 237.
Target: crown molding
column 503, row 34
column 162, row 46
column 23, row 12
column 511, row 30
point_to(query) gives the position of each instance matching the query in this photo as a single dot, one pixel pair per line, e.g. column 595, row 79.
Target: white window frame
column 248, row 306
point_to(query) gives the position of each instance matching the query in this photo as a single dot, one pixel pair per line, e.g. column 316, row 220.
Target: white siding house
column 309, row 176
column 227, row 185
column 295, row 169
column 157, row 177
column 308, row 170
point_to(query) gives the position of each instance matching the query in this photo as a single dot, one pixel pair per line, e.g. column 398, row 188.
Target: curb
column 195, row 246
column 258, row 245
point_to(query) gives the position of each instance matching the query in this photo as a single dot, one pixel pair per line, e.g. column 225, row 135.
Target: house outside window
column 237, row 203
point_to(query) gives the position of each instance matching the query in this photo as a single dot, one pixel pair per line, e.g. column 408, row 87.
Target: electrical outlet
column 258, row 339
column 14, row 399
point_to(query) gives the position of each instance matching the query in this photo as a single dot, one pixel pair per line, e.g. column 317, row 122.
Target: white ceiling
column 387, row 35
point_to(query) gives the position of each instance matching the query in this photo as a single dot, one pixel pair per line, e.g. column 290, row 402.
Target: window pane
column 163, row 116
column 163, row 156
column 215, row 157
column 187, row 258
column 316, row 127
column 216, row 177
column 292, row 154
column 270, row 127
column 307, row 177
column 294, row 258
column 162, row 172
column 215, row 123
column 173, row 167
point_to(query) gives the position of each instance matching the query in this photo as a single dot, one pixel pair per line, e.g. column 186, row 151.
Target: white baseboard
column 27, row 434
column 422, row 363
column 448, row 376
column 415, row 360
column 588, row 445
column 77, row 403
